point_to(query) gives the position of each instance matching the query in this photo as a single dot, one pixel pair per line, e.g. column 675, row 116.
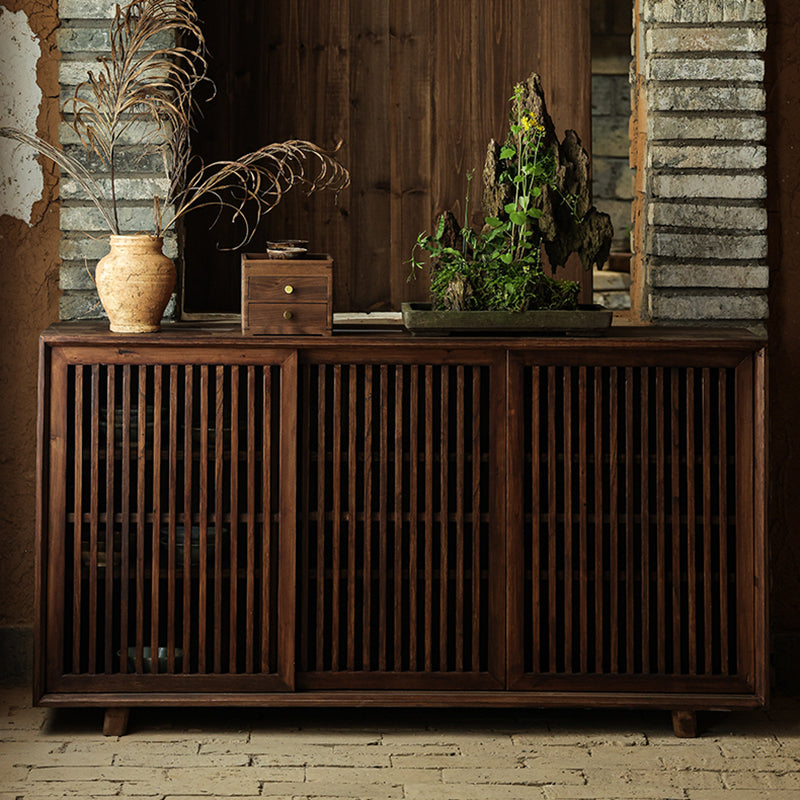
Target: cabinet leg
column 684, row 723
column 115, row 722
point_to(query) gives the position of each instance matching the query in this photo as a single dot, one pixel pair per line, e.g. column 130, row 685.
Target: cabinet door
column 400, row 521
column 168, row 549
column 635, row 561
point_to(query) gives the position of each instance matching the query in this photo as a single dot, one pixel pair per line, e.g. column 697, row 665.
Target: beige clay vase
column 134, row 282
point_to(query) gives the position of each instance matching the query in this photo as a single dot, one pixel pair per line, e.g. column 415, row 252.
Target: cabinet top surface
column 228, row 334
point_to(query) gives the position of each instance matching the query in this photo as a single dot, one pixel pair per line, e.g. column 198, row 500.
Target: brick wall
column 699, row 147
column 82, row 37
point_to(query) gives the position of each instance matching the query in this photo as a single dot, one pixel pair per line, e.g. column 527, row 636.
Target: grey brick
column 77, row 277
column 716, row 246
column 610, row 136
column 751, row 187
column 98, row 39
column 139, row 188
column 130, row 159
column 704, row 69
column 134, row 135
column 692, row 215
column 706, row 39
column 73, row 72
column 700, row 11
column 138, row 219
column 80, row 305
column 612, row 177
column 668, row 126
column 611, row 94
column 667, row 97
column 86, row 9
column 714, row 276
column 707, row 157
column 77, row 247
column 688, row 307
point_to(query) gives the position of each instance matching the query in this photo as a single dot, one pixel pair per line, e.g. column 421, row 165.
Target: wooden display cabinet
column 368, row 518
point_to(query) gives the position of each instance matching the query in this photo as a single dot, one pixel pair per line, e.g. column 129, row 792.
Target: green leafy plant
column 500, row 267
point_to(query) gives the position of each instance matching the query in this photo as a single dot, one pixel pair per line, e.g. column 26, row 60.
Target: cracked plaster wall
column 29, row 266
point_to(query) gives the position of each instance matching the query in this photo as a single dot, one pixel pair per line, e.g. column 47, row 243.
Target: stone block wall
column 698, row 144
column 82, row 37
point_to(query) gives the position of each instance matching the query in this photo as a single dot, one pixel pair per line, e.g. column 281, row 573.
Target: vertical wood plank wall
column 414, row 89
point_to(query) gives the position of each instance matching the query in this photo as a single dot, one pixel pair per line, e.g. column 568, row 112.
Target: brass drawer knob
column 288, row 289
column 287, row 315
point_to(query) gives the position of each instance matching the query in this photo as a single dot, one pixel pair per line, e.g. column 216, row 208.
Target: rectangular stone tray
column 420, row 319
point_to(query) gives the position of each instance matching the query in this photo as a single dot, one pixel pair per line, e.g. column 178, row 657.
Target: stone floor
column 385, row 754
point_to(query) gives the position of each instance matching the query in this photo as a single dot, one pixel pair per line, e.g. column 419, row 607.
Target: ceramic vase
column 135, row 282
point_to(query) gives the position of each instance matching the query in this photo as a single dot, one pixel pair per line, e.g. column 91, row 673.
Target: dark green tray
column 420, row 319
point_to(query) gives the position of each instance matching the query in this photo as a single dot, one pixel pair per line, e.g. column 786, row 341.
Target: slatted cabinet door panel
column 400, row 523
column 635, row 487
column 167, row 473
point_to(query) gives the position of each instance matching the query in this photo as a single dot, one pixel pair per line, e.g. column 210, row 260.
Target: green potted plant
column 536, row 200
column 148, row 90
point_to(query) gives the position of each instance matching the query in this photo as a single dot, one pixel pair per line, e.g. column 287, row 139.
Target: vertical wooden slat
column 430, row 472
column 77, row 539
column 444, row 561
column 219, row 466
column 399, row 464
column 460, row 477
column 204, row 490
column 476, row 527
column 568, row 520
column 141, row 463
column 413, row 514
column 336, row 477
column 321, row 526
column 661, row 524
column 382, row 517
column 644, row 394
column 583, row 522
column 305, row 586
column 188, row 494
column 156, row 527
column 708, row 599
column 252, row 493
column 747, row 403
column 536, row 520
column 552, row 523
column 675, row 538
column 630, row 583
column 109, row 505
column 613, row 508
column 691, row 523
column 352, row 510
column 172, row 517
column 233, row 566
column 94, row 516
column 125, row 510
column 368, row 527
column 723, row 522
column 284, row 447
column 599, row 611
column 267, row 506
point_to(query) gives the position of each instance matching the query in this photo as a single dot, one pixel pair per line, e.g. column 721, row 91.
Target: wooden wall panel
column 414, row 89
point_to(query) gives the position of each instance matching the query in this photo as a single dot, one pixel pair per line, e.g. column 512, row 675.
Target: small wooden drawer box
column 287, row 296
